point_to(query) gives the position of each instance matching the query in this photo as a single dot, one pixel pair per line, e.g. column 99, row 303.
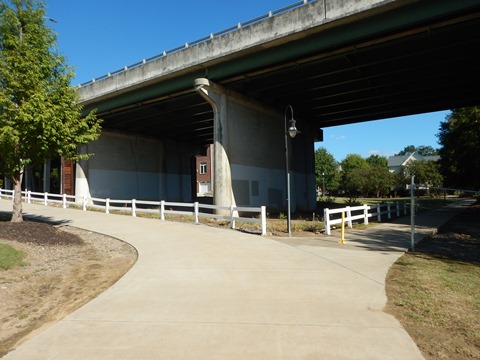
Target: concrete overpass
column 335, row 61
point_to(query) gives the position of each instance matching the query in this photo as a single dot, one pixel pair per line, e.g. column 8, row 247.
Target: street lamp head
column 292, row 129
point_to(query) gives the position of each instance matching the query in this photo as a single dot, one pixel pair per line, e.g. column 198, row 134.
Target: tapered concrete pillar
column 216, row 96
column 81, row 181
column 250, row 153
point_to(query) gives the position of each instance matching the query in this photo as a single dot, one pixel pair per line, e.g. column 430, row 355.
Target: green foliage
column 326, row 170
column 425, row 172
column 40, row 117
column 373, row 180
column 459, row 137
column 378, row 161
column 421, row 150
column 10, row 257
column 349, row 181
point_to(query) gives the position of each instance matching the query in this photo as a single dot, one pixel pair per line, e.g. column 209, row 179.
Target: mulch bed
column 38, row 233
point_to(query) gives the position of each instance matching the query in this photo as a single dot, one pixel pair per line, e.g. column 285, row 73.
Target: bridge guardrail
column 187, row 45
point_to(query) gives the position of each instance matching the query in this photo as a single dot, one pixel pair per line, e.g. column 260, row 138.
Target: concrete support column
column 46, row 175
column 81, row 181
column 216, row 96
column 249, row 140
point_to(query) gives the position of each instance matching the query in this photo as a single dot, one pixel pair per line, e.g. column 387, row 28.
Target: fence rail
column 364, row 212
column 187, row 45
column 134, row 207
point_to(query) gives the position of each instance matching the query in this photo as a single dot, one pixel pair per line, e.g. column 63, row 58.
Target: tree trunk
column 17, row 199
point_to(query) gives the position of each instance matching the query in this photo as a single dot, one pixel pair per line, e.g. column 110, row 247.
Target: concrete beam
column 274, row 31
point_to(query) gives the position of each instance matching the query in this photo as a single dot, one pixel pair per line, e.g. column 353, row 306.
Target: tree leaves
column 40, row 117
column 459, row 136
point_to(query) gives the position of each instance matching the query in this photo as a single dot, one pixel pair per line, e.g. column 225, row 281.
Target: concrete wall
column 250, row 153
column 135, row 167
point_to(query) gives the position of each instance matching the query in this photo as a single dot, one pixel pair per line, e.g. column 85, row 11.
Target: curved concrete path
column 198, row 292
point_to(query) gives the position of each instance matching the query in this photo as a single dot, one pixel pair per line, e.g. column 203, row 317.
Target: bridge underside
column 410, row 57
column 429, row 67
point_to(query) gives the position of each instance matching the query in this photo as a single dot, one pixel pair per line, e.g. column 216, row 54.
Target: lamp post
column 292, row 132
column 323, row 188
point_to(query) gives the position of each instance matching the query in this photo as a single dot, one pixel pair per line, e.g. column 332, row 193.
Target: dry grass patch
column 435, row 292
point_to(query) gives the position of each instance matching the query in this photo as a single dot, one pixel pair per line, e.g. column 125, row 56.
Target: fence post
column 349, row 217
column 84, row 205
column 64, row 201
column 45, row 199
column 405, row 208
column 195, row 210
column 107, row 206
column 326, row 220
column 379, row 212
column 162, row 210
column 389, row 210
column 263, row 210
column 13, row 195
column 365, row 214
column 397, row 205
column 29, row 197
column 232, row 222
column 134, row 208
column 342, row 231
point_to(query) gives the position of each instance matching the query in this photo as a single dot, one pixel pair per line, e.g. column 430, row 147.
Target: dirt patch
column 67, row 267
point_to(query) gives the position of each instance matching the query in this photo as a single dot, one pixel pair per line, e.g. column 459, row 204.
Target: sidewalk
column 198, row 292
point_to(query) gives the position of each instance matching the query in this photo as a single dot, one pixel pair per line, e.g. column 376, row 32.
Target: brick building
column 204, row 169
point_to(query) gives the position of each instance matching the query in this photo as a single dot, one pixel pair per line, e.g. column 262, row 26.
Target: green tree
column 459, row 137
column 421, row 150
column 326, row 170
column 40, row 117
column 381, row 181
column 357, row 181
column 406, row 150
column 378, row 161
column 350, row 163
column 426, row 173
column 372, row 180
column 426, row 150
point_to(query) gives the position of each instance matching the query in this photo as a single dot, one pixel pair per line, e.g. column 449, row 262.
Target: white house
column 395, row 163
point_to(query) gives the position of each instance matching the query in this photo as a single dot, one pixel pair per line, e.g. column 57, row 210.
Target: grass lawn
column 435, row 292
column 10, row 257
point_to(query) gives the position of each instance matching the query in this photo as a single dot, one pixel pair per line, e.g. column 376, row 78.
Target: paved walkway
column 198, row 292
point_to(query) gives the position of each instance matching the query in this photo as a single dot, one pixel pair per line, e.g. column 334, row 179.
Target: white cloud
column 381, row 153
column 338, row 137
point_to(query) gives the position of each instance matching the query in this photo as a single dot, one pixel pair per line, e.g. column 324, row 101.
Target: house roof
column 400, row 160
column 397, row 160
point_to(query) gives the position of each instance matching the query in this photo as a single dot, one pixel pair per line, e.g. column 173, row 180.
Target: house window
column 203, row 168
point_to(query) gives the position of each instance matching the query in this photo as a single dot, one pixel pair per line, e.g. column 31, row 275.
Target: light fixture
column 291, row 131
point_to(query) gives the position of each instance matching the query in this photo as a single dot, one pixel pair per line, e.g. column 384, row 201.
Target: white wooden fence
column 142, row 206
column 364, row 212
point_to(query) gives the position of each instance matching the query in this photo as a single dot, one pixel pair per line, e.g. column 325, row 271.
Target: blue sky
column 102, row 36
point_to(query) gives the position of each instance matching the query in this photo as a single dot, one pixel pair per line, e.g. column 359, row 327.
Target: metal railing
column 187, row 45
column 134, row 207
